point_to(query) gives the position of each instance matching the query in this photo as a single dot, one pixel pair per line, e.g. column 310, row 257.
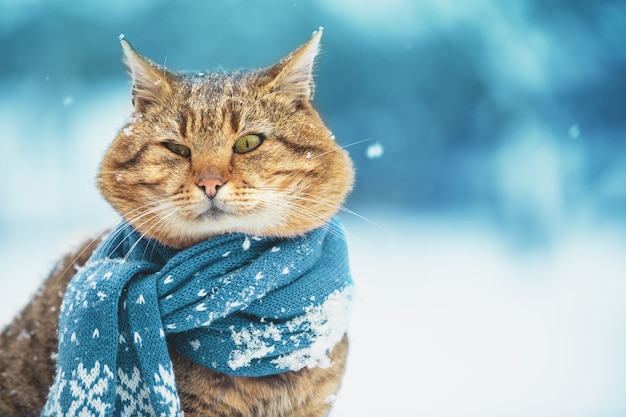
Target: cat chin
column 213, row 214
column 186, row 232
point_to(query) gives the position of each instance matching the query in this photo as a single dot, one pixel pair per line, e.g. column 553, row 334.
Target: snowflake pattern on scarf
column 237, row 304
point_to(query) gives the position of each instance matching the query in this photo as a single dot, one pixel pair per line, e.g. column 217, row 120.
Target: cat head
column 208, row 154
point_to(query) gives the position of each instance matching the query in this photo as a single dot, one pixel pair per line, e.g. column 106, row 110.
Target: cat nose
column 210, row 185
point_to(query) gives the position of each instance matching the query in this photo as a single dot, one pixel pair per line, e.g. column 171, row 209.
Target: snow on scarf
column 237, row 304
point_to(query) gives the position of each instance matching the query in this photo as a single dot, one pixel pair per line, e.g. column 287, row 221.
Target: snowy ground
column 450, row 320
column 453, row 322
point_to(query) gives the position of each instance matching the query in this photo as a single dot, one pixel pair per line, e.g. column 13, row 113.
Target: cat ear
column 294, row 74
column 150, row 81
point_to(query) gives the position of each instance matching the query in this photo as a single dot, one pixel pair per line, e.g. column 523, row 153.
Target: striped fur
column 293, row 182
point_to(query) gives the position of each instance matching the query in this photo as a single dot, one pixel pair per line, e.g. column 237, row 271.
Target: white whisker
column 163, row 218
column 341, row 147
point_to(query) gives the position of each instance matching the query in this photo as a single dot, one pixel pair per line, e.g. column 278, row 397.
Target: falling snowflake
column 68, row 100
column 375, row 151
column 574, row 131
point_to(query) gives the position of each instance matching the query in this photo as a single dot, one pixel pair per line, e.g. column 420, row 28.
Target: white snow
column 135, row 117
column 451, row 319
column 252, row 345
column 68, row 100
column 24, row 335
column 328, row 323
column 246, row 243
column 574, row 131
column 375, row 151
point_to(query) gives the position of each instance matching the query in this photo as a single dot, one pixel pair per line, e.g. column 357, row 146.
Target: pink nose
column 210, row 185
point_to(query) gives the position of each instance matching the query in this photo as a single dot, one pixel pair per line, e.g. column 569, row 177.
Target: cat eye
column 178, row 149
column 248, row 143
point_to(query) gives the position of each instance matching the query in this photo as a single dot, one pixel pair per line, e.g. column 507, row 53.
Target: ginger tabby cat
column 204, row 155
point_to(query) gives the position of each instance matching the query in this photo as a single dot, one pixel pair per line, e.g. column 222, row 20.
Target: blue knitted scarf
column 240, row 305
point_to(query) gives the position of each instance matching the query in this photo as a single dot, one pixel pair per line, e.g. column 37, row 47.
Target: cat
column 203, row 155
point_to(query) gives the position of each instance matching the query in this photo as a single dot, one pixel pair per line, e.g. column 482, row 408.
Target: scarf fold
column 241, row 305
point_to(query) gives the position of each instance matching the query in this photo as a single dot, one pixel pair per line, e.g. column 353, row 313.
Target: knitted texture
column 240, row 305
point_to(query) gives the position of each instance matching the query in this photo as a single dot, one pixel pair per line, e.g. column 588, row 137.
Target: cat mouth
column 214, row 210
column 212, row 213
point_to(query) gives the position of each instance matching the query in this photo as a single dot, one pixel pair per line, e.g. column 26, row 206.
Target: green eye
column 248, row 143
column 178, row 149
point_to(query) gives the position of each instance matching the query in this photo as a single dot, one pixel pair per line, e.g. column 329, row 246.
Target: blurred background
column 488, row 136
